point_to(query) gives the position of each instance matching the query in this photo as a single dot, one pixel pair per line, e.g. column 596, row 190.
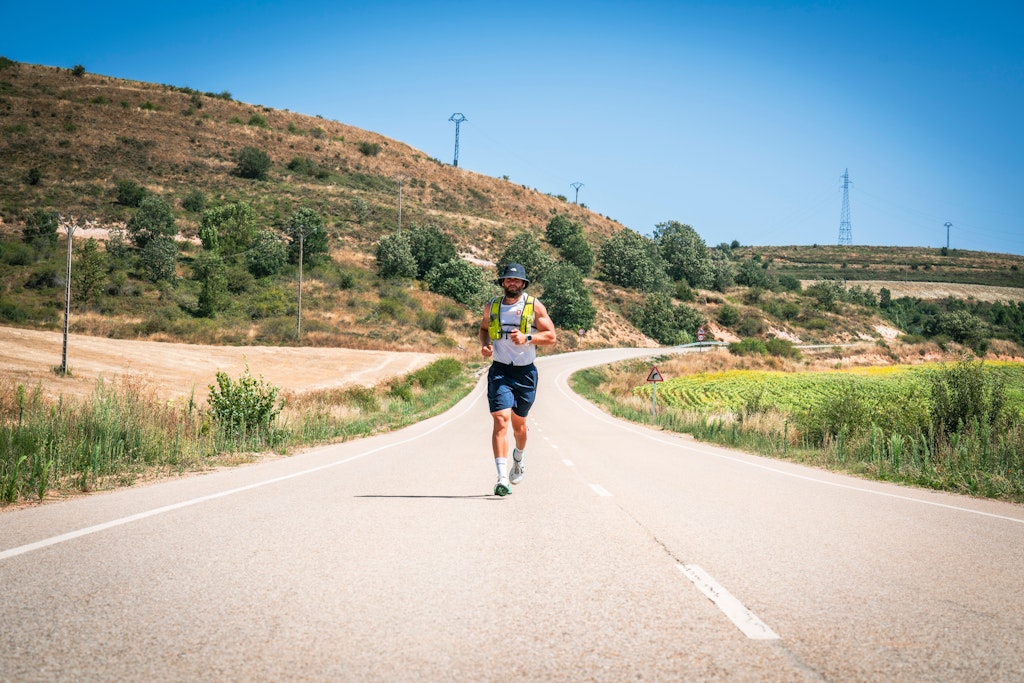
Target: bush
column 245, row 407
column 306, row 225
column 965, row 396
column 629, row 259
column 430, row 247
column 129, row 192
column 41, row 227
column 748, row 347
column 194, row 201
column 267, row 255
column 567, row 298
column 159, row 259
column 228, row 229
column 153, row 220
column 369, row 149
column 728, row 315
column 559, row 229
column 782, row 348
column 438, row 372
column 394, row 256
column 459, row 280
column 252, row 163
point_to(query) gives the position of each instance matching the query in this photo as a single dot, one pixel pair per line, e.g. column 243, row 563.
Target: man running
column 513, row 326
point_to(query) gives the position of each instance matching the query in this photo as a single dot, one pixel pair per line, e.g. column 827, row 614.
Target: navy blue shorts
column 511, row 386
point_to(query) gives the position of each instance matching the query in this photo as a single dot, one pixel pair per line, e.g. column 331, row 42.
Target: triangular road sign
column 655, row 376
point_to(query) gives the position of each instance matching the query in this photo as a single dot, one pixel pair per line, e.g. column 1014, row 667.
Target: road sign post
column 654, row 377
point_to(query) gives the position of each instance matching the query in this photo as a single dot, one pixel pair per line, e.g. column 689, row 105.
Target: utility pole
column 457, row 118
column 400, row 179
column 576, row 186
column 69, row 225
column 298, row 316
column 948, row 226
column 845, row 229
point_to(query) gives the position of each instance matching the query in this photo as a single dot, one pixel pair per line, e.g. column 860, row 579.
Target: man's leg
column 499, row 444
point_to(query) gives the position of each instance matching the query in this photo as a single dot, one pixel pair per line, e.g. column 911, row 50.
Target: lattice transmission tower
column 845, row 229
column 457, row 118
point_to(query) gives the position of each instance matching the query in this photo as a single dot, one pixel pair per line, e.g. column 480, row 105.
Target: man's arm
column 486, row 346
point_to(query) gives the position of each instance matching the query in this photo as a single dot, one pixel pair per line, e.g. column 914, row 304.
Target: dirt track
column 177, row 370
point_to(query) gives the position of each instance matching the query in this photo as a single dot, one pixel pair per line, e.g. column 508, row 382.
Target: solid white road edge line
column 588, row 407
column 745, row 620
column 71, row 535
column 600, row 490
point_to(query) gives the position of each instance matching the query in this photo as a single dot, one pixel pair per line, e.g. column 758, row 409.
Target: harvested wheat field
column 173, row 371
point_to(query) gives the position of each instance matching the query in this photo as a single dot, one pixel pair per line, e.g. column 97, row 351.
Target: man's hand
column 486, row 350
column 517, row 337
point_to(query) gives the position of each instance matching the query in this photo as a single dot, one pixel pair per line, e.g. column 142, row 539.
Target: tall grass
column 962, row 437
column 119, row 435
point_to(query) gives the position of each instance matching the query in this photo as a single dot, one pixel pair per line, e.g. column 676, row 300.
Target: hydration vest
column 525, row 323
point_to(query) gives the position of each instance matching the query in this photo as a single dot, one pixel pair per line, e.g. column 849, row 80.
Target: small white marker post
column 654, row 377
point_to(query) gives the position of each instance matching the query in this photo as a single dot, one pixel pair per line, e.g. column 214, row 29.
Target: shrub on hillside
column 153, row 220
column 459, row 280
column 252, row 163
column 129, row 192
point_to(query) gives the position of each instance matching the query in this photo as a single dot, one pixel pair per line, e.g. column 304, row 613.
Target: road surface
column 626, row 554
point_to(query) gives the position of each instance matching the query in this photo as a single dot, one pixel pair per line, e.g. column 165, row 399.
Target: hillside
column 71, row 140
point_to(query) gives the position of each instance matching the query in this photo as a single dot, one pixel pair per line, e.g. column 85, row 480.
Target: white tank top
column 505, row 350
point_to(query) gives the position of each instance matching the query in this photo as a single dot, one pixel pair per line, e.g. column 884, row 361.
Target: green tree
column 459, row 280
column 656, row 319
column 526, row 249
column 211, row 272
column 576, row 251
column 722, row 274
column 561, row 228
column 394, row 256
column 41, row 228
column 629, row 259
column 129, row 192
column 567, row 298
column 252, row 163
column 154, row 219
column 430, row 247
column 685, row 254
column 267, row 255
column 306, row 226
column 89, row 272
column 753, row 274
column 159, row 259
column 194, row 201
column 228, row 229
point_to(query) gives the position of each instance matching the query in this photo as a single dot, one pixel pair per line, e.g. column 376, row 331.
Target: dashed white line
column 745, row 620
column 600, row 490
column 568, row 463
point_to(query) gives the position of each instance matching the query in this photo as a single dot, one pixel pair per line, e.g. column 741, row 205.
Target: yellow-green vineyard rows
column 797, row 392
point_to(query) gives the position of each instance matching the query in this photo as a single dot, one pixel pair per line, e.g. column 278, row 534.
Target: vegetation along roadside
column 121, row 435
column 949, row 426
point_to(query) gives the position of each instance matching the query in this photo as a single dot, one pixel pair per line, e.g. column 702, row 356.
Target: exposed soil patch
column 179, row 370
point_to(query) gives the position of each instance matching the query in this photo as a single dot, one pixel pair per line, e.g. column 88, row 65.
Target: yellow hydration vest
column 525, row 323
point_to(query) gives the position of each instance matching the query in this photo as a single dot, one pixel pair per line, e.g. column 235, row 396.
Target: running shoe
column 518, row 467
column 502, row 488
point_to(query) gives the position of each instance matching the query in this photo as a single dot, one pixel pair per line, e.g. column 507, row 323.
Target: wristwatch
column 529, row 338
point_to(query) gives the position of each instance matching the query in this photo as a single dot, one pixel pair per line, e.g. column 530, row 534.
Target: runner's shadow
column 482, row 496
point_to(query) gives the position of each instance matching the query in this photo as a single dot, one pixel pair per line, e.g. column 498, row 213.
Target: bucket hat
column 515, row 270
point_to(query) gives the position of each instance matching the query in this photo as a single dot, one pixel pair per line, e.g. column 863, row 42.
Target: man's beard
column 511, row 293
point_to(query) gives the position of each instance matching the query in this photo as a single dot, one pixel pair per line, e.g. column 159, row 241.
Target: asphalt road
column 625, row 555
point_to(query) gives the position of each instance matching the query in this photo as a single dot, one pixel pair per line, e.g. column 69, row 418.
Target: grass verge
column 121, row 435
column 980, row 454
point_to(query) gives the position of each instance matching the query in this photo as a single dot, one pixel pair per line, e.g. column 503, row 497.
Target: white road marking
column 71, row 535
column 745, row 620
column 588, row 407
column 600, row 490
column 568, row 463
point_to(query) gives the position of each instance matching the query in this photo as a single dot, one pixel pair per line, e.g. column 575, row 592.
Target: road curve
column 626, row 554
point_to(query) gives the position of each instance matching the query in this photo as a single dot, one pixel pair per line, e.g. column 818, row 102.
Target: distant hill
column 71, row 140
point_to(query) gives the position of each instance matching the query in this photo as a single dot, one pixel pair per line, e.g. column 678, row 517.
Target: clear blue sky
column 737, row 118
